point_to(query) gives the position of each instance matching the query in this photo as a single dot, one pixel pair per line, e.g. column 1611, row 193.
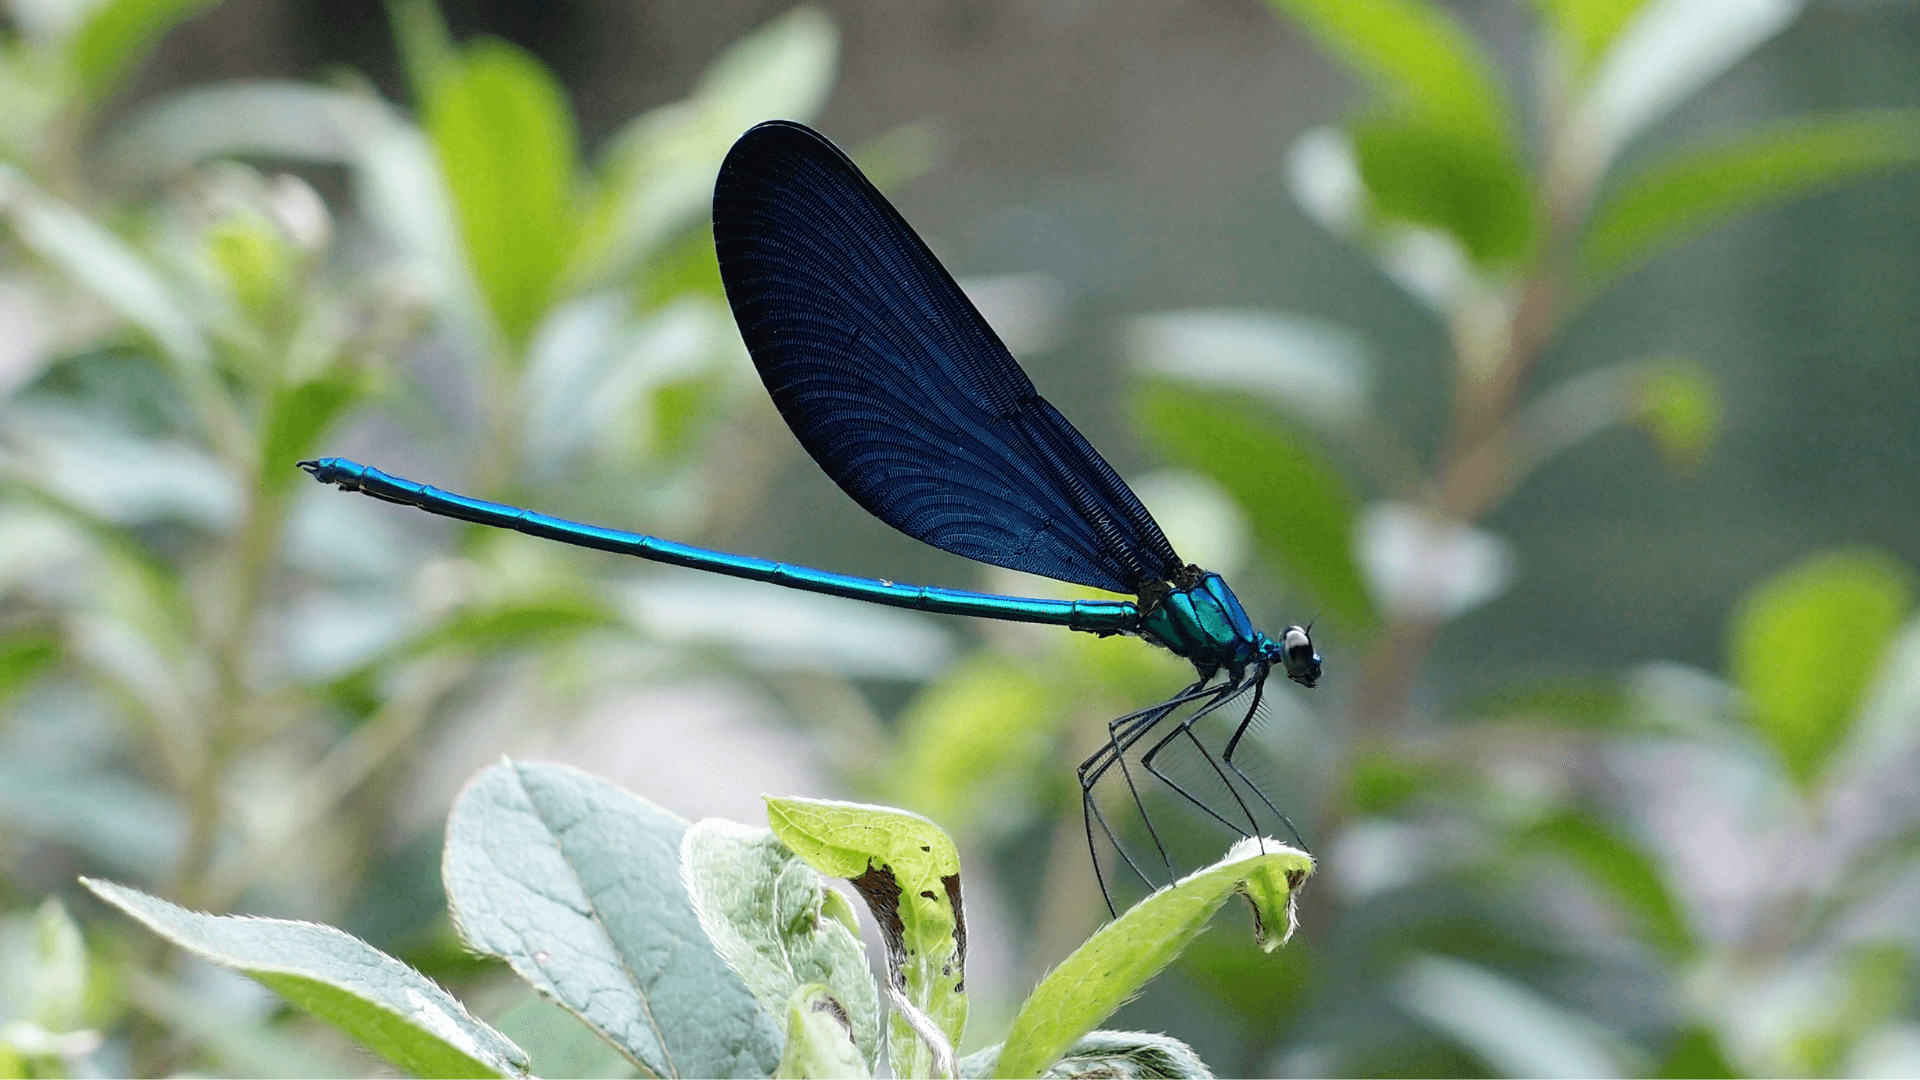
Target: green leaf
column 505, row 141
column 777, row 924
column 427, row 50
column 1690, row 191
column 514, row 622
column 819, row 1041
column 1121, row 1055
column 974, row 743
column 57, row 993
column 658, row 171
column 23, row 656
column 1513, row 1028
column 1124, row 954
column 297, row 418
column 383, row 1004
column 1474, row 189
column 1625, row 871
column 1303, row 367
column 1437, row 148
column 576, row 884
column 1299, row 505
column 1696, row 1055
column 103, row 263
column 908, row 872
column 118, row 34
column 1600, row 704
column 202, row 1017
column 1588, row 27
column 1805, row 643
column 558, row 1042
column 1679, row 408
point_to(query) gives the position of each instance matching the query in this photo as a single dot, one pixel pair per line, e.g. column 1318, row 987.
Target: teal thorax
column 1200, row 619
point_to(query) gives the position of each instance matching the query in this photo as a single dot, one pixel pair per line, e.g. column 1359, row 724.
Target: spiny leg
column 1186, row 728
column 1259, row 688
column 1091, row 770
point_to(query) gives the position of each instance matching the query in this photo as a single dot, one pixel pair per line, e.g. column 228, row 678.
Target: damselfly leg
column 1185, row 727
column 1127, row 731
column 1259, row 688
column 1122, row 734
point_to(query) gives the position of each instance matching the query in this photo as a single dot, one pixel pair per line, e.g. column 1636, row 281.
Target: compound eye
column 1298, row 645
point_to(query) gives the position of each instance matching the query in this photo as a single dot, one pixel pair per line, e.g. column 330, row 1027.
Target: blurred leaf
column 657, row 176
column 1688, row 192
column 516, row 623
column 268, row 118
column 681, row 408
column 1383, row 783
column 685, row 265
column 576, row 884
column 1805, row 643
column 1119, row 1055
column 900, row 154
column 398, row 186
column 384, row 1005
column 298, row 417
column 908, row 872
column 1437, row 148
column 768, row 915
column 127, row 480
column 1123, row 955
column 1255, row 990
column 1300, row 507
column 559, row 1044
column 1474, row 190
column 1661, row 57
column 1424, row 566
column 102, row 262
column 1201, row 520
column 763, row 626
column 235, row 1038
column 971, row 744
column 123, row 823
column 1629, row 874
column 1679, row 408
column 501, row 127
column 118, row 34
column 57, row 994
column 23, row 656
column 1312, row 369
column 819, row 1041
column 427, row 50
column 1696, row 1055
column 1509, row 1026
column 1879, row 987
column 1601, row 704
column 1588, row 27
column 593, row 370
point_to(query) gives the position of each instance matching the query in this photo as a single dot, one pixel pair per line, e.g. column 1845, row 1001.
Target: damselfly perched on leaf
column 891, row 379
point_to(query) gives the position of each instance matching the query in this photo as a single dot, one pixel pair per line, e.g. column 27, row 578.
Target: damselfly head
column 1297, row 653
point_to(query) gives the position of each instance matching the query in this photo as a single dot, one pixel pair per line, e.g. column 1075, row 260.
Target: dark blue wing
column 898, row 388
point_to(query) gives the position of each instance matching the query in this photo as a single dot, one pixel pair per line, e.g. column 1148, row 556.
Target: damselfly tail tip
column 325, row 470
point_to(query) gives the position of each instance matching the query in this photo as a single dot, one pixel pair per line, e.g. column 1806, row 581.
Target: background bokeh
column 1561, row 356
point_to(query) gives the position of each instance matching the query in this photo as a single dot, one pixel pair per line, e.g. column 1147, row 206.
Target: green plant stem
column 251, row 561
column 1477, row 461
column 344, row 769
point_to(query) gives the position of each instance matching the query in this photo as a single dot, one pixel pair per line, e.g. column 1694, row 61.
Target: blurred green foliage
column 221, row 688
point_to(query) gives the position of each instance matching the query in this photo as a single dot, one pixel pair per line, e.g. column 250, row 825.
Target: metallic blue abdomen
column 1206, row 624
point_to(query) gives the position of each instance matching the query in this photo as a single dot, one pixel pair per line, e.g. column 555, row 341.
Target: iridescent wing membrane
column 891, row 379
